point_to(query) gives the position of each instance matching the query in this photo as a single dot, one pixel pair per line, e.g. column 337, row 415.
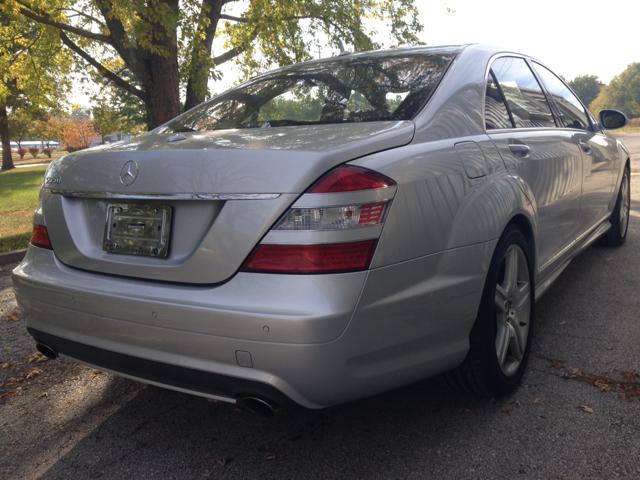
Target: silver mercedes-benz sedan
column 329, row 230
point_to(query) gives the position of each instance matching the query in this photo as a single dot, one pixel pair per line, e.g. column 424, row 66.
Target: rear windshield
column 346, row 89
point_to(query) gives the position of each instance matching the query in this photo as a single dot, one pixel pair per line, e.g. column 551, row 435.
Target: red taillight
column 331, row 258
column 348, row 178
column 40, row 237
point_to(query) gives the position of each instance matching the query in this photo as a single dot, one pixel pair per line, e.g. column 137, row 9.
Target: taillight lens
column 40, row 237
column 328, row 233
column 331, row 258
column 349, row 178
column 333, row 218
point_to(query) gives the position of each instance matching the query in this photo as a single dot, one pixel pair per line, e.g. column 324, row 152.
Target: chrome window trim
column 543, row 87
column 163, row 196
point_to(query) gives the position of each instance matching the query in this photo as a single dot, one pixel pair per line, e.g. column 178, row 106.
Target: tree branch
column 131, row 56
column 99, row 22
column 44, row 19
column 232, row 18
column 103, row 71
column 234, row 52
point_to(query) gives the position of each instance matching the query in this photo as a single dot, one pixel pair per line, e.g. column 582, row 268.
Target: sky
column 571, row 37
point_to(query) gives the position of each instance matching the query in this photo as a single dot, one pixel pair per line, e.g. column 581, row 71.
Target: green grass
column 627, row 129
column 19, row 189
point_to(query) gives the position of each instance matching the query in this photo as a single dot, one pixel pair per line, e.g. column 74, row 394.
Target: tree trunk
column 201, row 62
column 164, row 93
column 162, row 78
column 7, row 159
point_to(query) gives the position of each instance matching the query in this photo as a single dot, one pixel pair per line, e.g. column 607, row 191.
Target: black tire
column 619, row 220
column 482, row 371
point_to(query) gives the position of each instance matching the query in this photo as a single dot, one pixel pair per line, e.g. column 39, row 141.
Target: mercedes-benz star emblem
column 129, row 173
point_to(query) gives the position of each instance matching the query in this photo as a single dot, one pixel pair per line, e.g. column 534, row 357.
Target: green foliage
column 20, row 126
column 117, row 110
column 153, row 48
column 622, row 93
column 587, row 87
column 33, row 68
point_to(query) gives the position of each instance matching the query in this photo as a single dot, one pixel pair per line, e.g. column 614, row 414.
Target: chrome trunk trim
column 165, row 196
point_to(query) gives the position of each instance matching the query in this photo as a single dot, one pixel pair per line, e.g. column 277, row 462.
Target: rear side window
column 525, row 99
column 496, row 114
column 572, row 113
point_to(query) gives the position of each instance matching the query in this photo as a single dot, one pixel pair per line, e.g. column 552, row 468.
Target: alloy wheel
column 512, row 310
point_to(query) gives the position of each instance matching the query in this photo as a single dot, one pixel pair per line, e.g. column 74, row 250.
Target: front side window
column 356, row 89
column 525, row 99
column 571, row 111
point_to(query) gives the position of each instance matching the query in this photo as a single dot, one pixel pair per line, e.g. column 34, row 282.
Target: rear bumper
column 179, row 378
column 315, row 340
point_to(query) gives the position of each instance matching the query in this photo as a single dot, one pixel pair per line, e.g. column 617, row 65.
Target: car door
column 546, row 160
column 599, row 165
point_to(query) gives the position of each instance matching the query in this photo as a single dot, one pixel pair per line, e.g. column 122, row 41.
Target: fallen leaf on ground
column 13, row 316
column 43, row 394
column 515, row 402
column 585, row 408
column 3, row 300
column 562, row 323
column 207, row 473
column 555, row 362
column 628, row 386
column 95, row 373
column 538, row 400
column 507, row 411
column 8, row 364
column 37, row 357
column 271, row 456
column 35, row 371
column 8, row 348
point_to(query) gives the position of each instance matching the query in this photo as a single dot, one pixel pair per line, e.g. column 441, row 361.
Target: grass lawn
column 626, row 129
column 19, row 189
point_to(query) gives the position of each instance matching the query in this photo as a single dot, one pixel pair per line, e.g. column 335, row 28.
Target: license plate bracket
column 141, row 230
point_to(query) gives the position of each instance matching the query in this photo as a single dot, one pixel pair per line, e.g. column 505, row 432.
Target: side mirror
column 612, row 119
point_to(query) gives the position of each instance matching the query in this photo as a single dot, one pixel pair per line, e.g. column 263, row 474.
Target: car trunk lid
column 223, row 191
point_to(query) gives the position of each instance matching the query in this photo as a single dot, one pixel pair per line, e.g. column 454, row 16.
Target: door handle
column 519, row 149
column 586, row 148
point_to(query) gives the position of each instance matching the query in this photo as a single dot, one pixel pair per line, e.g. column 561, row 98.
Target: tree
column 587, row 87
column 165, row 44
column 33, row 70
column 20, row 126
column 622, row 93
column 79, row 133
column 118, row 111
column 51, row 129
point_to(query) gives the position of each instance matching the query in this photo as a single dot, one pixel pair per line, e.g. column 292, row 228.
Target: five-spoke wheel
column 512, row 309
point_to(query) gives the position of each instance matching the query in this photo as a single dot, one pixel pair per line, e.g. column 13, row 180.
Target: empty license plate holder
column 137, row 230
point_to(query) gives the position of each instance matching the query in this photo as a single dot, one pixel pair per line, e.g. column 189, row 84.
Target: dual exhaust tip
column 259, row 406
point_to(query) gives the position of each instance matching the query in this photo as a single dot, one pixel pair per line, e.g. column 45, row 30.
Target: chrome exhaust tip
column 47, row 351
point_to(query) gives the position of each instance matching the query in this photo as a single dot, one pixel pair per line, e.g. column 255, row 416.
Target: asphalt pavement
column 569, row 419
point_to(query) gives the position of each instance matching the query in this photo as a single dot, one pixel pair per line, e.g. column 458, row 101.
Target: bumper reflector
column 40, row 237
column 325, row 258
